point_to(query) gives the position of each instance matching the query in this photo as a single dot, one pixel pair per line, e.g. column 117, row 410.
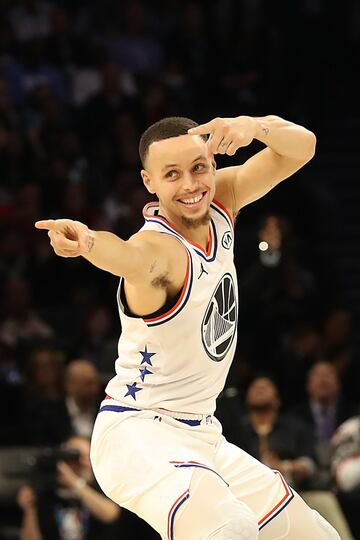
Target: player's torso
column 179, row 359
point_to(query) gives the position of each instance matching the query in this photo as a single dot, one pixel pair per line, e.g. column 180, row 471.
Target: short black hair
column 166, row 128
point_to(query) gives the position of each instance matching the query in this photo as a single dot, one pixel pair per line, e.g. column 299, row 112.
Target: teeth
column 193, row 200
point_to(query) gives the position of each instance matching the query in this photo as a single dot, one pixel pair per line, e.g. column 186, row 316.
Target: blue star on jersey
column 144, row 372
column 146, row 356
column 132, row 390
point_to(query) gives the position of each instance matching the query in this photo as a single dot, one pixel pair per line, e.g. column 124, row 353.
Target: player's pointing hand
column 68, row 238
column 227, row 134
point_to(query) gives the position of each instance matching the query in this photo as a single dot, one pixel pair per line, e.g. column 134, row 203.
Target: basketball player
column 157, row 449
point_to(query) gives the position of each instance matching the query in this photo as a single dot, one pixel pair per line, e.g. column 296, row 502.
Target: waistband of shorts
column 110, row 404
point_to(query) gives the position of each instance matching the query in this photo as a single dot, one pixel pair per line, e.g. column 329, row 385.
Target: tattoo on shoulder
column 90, row 242
column 266, row 130
column 152, row 266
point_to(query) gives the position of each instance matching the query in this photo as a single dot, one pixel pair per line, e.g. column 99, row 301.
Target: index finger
column 49, row 224
column 203, row 129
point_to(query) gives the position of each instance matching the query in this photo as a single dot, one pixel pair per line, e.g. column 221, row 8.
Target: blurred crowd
column 79, row 82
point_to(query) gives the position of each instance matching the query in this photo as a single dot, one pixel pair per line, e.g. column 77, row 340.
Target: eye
column 199, row 167
column 171, row 174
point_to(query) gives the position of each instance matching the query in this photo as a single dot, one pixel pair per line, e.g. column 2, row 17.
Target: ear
column 147, row 181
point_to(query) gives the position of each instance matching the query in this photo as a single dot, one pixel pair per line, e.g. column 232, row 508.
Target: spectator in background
column 324, row 410
column 38, row 415
column 98, row 342
column 44, row 418
column 280, row 441
column 44, row 373
column 74, row 509
column 19, row 320
column 284, row 443
column 82, row 383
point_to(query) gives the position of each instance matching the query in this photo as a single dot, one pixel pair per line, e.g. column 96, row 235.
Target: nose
column 190, row 182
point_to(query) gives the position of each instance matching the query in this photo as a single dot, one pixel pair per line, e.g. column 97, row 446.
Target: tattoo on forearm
column 90, row 242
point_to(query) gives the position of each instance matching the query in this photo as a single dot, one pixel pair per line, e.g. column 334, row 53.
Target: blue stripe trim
column 117, row 408
column 184, row 302
column 189, row 422
column 173, row 515
column 186, row 465
column 278, row 511
column 121, row 408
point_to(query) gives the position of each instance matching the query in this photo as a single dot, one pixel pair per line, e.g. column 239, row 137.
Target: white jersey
column 178, row 358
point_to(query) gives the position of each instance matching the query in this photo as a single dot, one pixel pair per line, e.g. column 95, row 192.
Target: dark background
column 80, row 81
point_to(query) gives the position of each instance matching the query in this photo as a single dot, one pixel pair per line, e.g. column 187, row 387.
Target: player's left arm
column 289, row 147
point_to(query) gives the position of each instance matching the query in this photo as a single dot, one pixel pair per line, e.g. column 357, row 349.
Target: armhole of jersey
column 171, row 308
column 181, row 301
column 162, row 311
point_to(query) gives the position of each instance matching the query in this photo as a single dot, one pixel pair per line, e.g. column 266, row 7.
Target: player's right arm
column 134, row 259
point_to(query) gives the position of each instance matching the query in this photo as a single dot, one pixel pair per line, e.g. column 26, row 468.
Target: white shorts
column 144, row 459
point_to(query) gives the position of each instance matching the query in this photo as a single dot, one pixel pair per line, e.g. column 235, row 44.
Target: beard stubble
column 197, row 222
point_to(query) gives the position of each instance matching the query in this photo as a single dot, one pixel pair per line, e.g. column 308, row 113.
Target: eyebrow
column 176, row 165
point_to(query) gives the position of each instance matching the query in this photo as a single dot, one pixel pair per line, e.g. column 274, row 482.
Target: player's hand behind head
column 68, row 238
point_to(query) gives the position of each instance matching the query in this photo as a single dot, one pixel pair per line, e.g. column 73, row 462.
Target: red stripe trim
column 287, row 493
column 218, row 203
column 162, row 219
column 186, row 282
column 172, row 508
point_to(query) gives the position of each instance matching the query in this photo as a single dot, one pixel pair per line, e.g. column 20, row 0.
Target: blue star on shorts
column 132, row 390
column 144, row 372
column 146, row 356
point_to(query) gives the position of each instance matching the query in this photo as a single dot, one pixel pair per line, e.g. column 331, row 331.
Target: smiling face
column 181, row 172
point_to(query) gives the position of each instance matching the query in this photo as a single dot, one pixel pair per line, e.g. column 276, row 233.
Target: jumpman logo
column 203, row 271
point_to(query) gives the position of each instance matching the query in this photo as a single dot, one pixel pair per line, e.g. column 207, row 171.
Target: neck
column 262, row 415
column 196, row 230
column 326, row 402
column 84, row 406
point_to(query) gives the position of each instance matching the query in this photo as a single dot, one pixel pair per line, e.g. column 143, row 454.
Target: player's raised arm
column 103, row 249
column 289, row 147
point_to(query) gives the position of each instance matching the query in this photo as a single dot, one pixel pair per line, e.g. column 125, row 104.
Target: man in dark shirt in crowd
column 276, row 439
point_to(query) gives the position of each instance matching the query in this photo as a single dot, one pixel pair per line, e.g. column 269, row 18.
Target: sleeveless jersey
column 179, row 360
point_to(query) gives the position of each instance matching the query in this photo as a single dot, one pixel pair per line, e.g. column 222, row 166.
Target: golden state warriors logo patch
column 218, row 328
